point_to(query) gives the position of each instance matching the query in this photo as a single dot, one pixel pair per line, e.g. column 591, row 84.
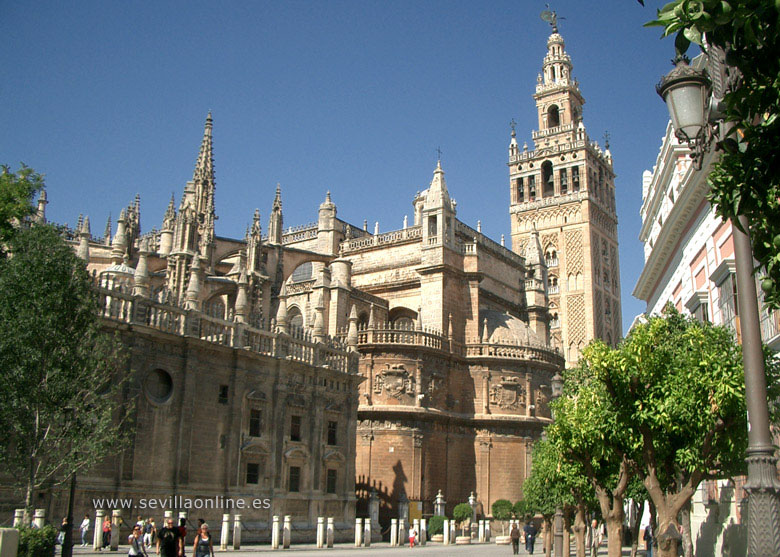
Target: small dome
column 503, row 328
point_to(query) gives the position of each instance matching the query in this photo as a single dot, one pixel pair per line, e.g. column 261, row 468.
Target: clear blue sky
column 108, row 99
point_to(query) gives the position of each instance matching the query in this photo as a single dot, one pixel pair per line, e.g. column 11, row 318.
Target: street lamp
column 686, row 92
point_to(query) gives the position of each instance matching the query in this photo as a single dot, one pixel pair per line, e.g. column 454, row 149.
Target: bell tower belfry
column 564, row 189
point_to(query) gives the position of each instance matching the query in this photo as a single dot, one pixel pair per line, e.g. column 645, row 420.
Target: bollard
column 116, row 528
column 330, row 533
column 224, row 537
column 401, row 532
column 39, row 518
column 275, row 533
column 358, row 532
column 487, row 530
column 367, row 532
column 9, row 541
column 481, row 536
column 416, row 526
column 286, row 532
column 452, row 531
column 18, row 517
column 97, row 536
column 237, row 531
column 393, row 532
column 446, row 532
column 423, row 531
column 320, row 532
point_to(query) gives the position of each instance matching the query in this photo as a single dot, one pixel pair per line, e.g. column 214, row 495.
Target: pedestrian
column 107, row 532
column 530, row 537
column 150, row 530
column 203, row 547
column 514, row 534
column 136, row 542
column 183, row 534
column 412, row 536
column 63, row 528
column 593, row 538
column 84, row 528
column 648, row 537
column 169, row 540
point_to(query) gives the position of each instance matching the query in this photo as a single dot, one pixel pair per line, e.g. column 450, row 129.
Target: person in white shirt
column 84, row 527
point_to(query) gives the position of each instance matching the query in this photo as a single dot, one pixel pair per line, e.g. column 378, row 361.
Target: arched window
column 555, row 322
column 548, row 184
column 551, row 257
column 553, row 116
column 302, row 272
column 294, row 317
column 553, row 289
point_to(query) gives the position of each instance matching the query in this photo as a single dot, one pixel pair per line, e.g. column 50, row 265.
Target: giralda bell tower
column 564, row 191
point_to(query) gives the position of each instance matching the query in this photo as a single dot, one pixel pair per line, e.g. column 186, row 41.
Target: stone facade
column 324, row 366
column 564, row 190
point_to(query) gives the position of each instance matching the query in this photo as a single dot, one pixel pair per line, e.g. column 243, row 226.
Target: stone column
column 286, row 532
column 403, row 509
column 453, row 532
column 97, row 535
column 487, row 530
column 401, row 531
column 416, row 526
column 39, row 518
column 358, row 532
column 393, row 532
column 330, row 532
column 446, row 532
column 473, row 505
column 423, row 531
column 320, row 532
column 373, row 507
column 237, row 531
column 116, row 527
column 481, row 535
column 224, row 537
column 9, row 542
column 367, row 532
column 18, row 518
column 275, row 532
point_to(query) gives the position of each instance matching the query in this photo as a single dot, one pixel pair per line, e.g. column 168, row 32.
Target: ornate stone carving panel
column 507, row 393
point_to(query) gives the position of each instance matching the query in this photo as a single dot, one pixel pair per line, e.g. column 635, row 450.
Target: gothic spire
column 276, row 221
column 204, row 168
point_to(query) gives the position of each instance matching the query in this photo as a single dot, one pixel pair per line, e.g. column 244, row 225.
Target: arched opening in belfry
column 548, row 187
column 553, row 117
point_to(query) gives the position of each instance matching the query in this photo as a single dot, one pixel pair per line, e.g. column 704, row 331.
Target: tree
column 462, row 513
column 502, row 510
column 587, row 432
column 675, row 387
column 745, row 181
column 58, row 372
column 17, row 190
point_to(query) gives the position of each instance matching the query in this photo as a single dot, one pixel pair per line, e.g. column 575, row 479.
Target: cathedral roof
column 502, row 328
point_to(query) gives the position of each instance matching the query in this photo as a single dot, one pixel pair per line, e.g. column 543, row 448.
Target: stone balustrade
column 118, row 304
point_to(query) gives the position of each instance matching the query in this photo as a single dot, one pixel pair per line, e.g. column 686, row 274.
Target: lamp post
column 686, row 91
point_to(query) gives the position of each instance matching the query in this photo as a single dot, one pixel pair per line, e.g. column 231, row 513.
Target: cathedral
column 345, row 373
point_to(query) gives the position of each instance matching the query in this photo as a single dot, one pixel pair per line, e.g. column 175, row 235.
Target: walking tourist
column 203, row 547
column 183, row 534
column 106, row 532
column 412, row 536
column 169, row 540
column 530, row 537
column 514, row 534
column 593, row 538
column 150, row 531
column 648, row 537
column 84, row 528
column 136, row 542
column 63, row 528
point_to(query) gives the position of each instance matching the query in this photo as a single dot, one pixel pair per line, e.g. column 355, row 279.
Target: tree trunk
column 685, row 523
column 579, row 530
column 548, row 536
column 667, row 535
column 566, row 534
column 635, row 528
column 614, row 531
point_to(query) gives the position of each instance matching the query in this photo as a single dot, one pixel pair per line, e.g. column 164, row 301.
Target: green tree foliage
column 502, row 510
column 745, row 181
column 37, row 542
column 59, row 374
column 462, row 513
column 670, row 404
column 436, row 525
column 17, row 190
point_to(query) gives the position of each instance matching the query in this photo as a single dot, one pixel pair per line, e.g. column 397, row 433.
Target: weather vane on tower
column 551, row 17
